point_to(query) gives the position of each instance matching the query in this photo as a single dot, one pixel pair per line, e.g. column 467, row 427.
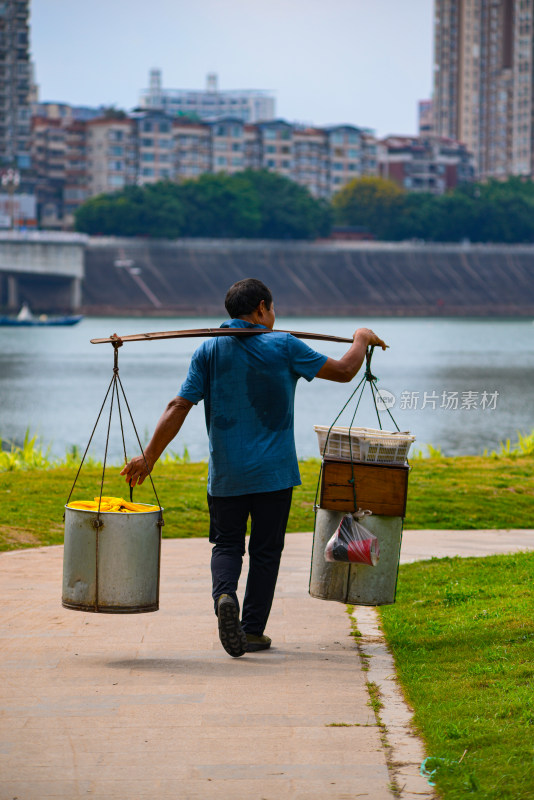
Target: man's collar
column 240, row 323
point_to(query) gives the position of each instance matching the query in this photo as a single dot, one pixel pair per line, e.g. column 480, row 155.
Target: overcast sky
column 365, row 62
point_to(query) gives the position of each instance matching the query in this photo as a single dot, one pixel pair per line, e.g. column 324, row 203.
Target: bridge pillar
column 12, row 293
column 75, row 294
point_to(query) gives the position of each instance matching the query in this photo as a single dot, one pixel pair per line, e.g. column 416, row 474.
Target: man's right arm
column 344, row 369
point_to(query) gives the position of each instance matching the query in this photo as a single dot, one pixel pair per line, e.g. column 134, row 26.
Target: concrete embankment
column 191, row 277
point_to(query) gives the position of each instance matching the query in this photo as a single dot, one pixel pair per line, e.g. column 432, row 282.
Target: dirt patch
column 12, row 537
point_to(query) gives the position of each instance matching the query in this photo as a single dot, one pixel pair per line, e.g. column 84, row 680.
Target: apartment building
column 153, row 143
column 15, row 85
column 483, row 86
column 247, row 105
column 48, row 158
column 425, row 164
column 111, row 154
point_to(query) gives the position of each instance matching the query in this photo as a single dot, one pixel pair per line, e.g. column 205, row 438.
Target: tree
column 369, row 202
column 249, row 204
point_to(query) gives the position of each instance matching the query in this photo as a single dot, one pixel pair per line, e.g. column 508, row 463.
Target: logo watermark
column 469, row 400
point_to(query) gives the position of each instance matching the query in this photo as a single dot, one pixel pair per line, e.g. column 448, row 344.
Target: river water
column 460, row 384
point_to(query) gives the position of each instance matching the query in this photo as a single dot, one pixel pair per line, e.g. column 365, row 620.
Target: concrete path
column 150, row 706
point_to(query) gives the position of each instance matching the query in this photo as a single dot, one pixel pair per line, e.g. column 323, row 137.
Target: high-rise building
column 15, row 80
column 425, row 118
column 248, row 105
column 483, row 89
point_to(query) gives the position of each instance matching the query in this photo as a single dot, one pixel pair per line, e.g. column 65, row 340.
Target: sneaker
column 231, row 634
column 255, row 643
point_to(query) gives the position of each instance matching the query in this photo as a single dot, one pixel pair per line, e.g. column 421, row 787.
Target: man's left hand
column 136, row 470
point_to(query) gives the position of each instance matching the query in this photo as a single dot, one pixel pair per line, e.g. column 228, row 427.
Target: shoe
column 231, row 634
column 255, row 643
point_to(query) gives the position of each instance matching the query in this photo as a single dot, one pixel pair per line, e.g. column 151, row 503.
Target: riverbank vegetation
column 259, row 204
column 462, row 638
column 253, row 204
column 466, row 492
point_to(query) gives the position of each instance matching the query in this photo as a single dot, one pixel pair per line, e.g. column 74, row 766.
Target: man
column 248, row 387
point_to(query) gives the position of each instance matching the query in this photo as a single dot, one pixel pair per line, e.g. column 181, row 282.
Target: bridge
column 43, row 269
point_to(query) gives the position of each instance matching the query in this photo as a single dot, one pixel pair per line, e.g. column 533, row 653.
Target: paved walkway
column 150, row 706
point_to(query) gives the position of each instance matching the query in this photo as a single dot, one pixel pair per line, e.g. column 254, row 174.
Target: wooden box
column 382, row 488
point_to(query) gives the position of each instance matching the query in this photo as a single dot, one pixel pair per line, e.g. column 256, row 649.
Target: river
column 460, row 384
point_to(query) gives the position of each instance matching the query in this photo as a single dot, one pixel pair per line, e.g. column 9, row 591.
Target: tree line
column 260, row 204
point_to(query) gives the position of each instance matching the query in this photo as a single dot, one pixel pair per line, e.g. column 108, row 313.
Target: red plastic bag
column 352, row 543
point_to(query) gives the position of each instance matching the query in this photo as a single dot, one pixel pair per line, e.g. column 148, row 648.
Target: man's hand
column 372, row 339
column 136, row 470
column 346, row 367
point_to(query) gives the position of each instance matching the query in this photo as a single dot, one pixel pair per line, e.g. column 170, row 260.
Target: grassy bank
column 456, row 493
column 462, row 637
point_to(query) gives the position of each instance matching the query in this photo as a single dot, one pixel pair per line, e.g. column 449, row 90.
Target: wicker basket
column 366, row 444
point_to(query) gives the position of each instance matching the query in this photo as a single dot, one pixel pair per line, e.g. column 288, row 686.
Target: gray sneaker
column 231, row 634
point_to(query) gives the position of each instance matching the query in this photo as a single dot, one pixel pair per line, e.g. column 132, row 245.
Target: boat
column 26, row 319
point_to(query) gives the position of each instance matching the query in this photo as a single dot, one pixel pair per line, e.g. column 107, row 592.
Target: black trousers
column 269, row 512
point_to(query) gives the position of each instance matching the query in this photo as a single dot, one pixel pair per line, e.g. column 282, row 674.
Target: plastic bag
column 352, row 543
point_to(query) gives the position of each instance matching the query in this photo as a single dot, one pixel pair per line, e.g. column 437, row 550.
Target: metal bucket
column 113, row 568
column 358, row 584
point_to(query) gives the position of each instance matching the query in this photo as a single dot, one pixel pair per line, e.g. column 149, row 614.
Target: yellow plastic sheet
column 112, row 504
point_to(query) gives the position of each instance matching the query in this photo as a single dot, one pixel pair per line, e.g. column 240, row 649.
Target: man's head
column 246, row 296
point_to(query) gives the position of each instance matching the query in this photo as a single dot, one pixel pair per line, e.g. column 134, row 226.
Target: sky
column 364, row 62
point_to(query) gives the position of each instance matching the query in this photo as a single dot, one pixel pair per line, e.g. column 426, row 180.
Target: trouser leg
column 228, row 525
column 269, row 514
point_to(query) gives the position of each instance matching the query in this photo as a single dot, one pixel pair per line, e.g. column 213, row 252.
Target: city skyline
column 358, row 63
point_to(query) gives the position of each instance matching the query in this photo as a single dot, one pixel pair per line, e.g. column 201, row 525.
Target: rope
column 370, row 379
column 114, row 385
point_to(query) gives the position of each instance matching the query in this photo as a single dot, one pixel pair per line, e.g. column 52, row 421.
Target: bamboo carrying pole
column 206, row 332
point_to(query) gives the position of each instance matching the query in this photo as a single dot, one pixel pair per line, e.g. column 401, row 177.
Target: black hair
column 245, row 296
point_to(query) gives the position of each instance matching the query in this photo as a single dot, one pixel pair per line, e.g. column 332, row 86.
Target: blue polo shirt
column 248, row 387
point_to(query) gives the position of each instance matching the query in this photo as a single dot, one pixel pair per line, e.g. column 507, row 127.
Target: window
column 117, row 166
column 270, row 162
column 271, row 148
column 147, row 172
column 147, row 156
column 116, row 180
column 337, row 165
column 147, row 142
column 164, row 126
column 221, row 161
column 220, row 130
column 116, row 136
column 147, row 126
column 336, row 138
column 353, row 153
column 269, row 133
column 236, row 147
column 237, row 162
column 165, row 173
column 163, row 158
column 353, row 137
column 117, row 150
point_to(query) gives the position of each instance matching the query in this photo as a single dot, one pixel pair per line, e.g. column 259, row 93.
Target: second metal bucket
column 113, row 568
column 358, row 584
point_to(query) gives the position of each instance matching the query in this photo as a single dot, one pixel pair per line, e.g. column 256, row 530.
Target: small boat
column 26, row 319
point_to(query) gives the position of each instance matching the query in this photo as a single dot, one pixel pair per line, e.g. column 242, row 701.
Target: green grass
column 462, row 635
column 455, row 493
